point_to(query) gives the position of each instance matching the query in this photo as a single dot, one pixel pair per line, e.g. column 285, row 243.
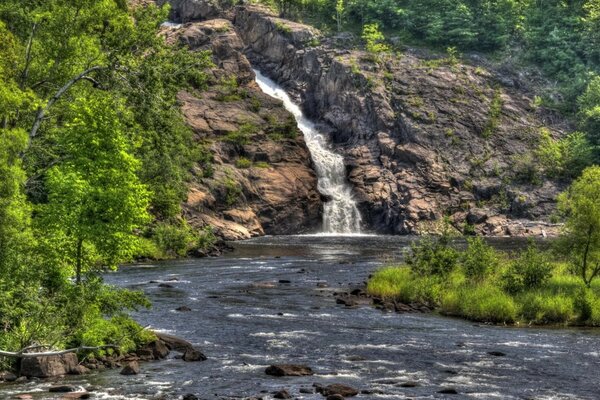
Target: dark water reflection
column 244, row 320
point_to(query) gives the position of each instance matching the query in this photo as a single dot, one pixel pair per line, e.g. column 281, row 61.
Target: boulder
column 157, row 349
column 337, row 389
column 289, row 370
column 132, row 368
column 190, row 396
column 193, row 355
column 335, row 397
column 7, row 376
column 80, row 370
column 174, row 343
column 282, row 394
column 48, row 366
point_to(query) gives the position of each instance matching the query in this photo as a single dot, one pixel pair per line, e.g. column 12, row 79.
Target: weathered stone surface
column 289, row 370
column 174, row 343
column 48, row 366
column 157, row 349
column 132, row 368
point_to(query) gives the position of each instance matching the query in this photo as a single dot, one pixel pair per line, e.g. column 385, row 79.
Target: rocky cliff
column 260, row 179
column 423, row 137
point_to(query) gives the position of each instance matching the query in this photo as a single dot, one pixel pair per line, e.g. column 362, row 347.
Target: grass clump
column 242, row 135
column 243, row 163
column 485, row 285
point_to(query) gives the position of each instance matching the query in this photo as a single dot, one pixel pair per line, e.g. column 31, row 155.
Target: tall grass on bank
column 485, row 285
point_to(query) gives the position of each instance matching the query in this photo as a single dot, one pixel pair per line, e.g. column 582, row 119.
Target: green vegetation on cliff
column 93, row 148
column 483, row 284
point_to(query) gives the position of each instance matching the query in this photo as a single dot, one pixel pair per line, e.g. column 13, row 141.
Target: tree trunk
column 79, row 261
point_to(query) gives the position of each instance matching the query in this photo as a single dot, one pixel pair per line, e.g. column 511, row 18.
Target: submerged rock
column 449, row 390
column 62, row 389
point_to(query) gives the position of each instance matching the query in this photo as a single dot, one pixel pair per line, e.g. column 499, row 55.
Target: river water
column 244, row 320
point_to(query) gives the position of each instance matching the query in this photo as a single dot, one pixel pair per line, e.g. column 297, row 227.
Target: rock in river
column 48, row 366
column 193, row 355
column 289, row 370
column 133, row 368
column 337, row 388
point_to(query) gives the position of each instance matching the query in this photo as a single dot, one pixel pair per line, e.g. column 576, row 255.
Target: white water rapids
column 340, row 214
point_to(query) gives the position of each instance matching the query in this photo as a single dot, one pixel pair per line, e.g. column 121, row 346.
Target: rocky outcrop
column 260, row 180
column 422, row 137
column 48, row 366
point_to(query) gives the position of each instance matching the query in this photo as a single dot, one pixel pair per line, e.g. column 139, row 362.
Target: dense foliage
column 92, row 150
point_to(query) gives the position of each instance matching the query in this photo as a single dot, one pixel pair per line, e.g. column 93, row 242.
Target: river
column 243, row 325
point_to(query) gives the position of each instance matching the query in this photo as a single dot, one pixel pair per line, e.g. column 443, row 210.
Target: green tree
column 580, row 240
column 339, row 13
column 589, row 104
column 375, row 40
column 95, row 199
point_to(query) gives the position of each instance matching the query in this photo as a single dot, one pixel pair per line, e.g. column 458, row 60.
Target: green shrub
column 494, row 114
column 174, row 240
column 243, row 163
column 531, row 270
column 566, row 157
column 242, row 135
column 478, row 259
column 283, row 28
column 432, row 257
column 206, row 238
column 233, row 191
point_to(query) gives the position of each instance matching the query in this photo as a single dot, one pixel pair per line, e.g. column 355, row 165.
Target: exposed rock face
column 421, row 138
column 48, row 366
column 262, row 180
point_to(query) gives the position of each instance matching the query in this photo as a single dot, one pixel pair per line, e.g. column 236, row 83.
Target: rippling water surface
column 244, row 320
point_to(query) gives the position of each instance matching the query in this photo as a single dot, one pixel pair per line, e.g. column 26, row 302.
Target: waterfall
column 340, row 214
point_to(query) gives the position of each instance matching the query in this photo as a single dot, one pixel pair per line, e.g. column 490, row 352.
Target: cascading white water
column 340, row 214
